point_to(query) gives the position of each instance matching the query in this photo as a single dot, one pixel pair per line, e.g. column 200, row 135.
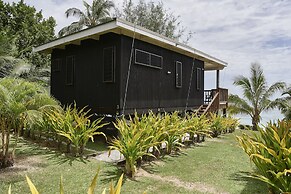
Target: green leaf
column 61, row 186
column 93, row 183
column 32, row 188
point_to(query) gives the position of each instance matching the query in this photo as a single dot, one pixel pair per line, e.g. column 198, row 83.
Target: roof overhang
column 123, row 27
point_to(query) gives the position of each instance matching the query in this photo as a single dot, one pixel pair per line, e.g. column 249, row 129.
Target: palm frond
column 238, row 105
column 74, row 12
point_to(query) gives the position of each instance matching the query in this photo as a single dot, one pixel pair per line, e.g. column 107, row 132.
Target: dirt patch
column 197, row 186
column 21, row 166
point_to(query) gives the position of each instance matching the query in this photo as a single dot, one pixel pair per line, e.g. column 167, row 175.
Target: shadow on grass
column 252, row 185
column 27, row 149
column 111, row 174
column 151, row 167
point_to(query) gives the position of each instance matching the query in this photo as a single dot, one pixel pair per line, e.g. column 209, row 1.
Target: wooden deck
column 214, row 100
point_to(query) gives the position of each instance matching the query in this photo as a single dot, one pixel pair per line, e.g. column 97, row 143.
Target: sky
column 238, row 32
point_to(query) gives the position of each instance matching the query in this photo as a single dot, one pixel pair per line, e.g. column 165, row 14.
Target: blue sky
column 238, row 32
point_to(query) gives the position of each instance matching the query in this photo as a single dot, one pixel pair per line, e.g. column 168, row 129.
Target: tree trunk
column 17, row 133
column 130, row 168
column 69, row 147
column 255, row 122
column 81, row 150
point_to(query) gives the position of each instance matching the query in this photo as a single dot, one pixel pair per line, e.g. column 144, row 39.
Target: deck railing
column 216, row 99
column 213, row 106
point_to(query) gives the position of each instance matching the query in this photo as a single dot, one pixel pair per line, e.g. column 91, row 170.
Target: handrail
column 214, row 104
column 215, row 99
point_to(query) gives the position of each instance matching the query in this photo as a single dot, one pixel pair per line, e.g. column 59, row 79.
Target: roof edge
column 121, row 23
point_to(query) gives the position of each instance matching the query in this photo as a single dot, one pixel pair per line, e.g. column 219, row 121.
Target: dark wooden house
column 117, row 68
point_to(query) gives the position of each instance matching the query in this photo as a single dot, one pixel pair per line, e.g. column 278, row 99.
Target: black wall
column 152, row 88
column 88, row 88
column 149, row 88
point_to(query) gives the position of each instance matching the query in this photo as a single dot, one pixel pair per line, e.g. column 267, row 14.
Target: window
column 56, row 65
column 178, row 74
column 70, row 70
column 108, row 64
column 142, row 57
column 199, row 78
column 148, row 59
column 156, row 61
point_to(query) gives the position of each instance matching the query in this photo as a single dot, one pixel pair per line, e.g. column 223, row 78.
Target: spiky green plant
column 196, row 126
column 216, row 126
column 270, row 151
column 230, row 124
column 134, row 141
column 75, row 126
column 173, row 127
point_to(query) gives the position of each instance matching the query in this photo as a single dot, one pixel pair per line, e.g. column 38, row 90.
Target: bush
column 216, row 126
column 134, row 142
column 20, row 101
column 270, row 151
column 153, row 134
column 74, row 125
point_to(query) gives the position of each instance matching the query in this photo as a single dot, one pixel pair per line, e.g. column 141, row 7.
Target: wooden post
column 217, row 79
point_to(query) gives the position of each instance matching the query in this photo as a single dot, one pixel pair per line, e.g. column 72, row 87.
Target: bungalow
column 117, row 68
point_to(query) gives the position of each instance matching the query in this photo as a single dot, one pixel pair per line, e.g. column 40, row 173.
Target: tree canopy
column 28, row 28
column 153, row 16
column 256, row 95
column 98, row 12
column 284, row 103
column 22, row 28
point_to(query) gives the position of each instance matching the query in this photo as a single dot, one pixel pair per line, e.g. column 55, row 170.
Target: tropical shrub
column 196, row 126
column 134, row 142
column 216, row 125
column 270, row 151
column 112, row 189
column 174, row 130
column 75, row 125
column 44, row 125
column 150, row 135
column 230, row 124
column 19, row 101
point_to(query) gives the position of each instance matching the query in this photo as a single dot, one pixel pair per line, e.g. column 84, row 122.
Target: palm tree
column 284, row 104
column 257, row 95
column 19, row 101
column 93, row 15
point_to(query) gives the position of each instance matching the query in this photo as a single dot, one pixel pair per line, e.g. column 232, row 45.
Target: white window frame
column 177, row 76
column 150, row 57
column 199, row 78
column 73, row 70
column 113, row 65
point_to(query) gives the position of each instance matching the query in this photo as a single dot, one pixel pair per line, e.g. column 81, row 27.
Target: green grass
column 218, row 164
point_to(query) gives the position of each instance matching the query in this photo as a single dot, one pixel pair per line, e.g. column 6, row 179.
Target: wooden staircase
column 202, row 109
column 214, row 100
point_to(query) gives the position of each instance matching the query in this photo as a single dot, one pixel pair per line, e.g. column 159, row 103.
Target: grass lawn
column 215, row 166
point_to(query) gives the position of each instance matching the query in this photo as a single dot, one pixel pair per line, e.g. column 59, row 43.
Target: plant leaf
column 61, row 186
column 93, row 183
column 33, row 189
